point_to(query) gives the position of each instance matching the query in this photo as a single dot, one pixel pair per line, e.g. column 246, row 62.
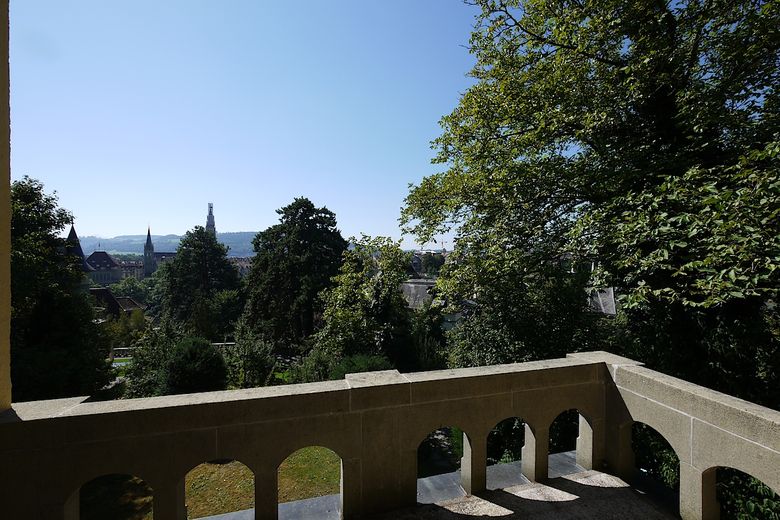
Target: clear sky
column 140, row 113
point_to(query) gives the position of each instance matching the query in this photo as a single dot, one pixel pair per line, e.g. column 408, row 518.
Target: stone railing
column 375, row 423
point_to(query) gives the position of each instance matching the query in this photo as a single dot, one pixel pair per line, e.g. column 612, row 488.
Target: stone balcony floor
column 585, row 495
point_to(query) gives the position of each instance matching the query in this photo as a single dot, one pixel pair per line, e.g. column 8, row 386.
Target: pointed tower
column 210, row 226
column 150, row 264
column 73, row 247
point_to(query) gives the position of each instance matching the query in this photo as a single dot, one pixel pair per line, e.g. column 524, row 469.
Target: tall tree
column 295, row 260
column 56, row 348
column 365, row 311
column 640, row 135
column 202, row 289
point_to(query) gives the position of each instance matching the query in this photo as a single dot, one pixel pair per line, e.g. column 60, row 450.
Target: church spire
column 210, row 226
column 150, row 262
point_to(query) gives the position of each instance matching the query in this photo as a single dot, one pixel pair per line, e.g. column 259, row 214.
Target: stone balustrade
column 375, row 423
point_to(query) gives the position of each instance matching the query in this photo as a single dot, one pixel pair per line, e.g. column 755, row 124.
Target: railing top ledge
column 80, row 406
column 508, row 369
column 75, row 406
column 599, row 356
column 686, row 396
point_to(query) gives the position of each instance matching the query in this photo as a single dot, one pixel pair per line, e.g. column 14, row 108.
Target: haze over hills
column 240, row 243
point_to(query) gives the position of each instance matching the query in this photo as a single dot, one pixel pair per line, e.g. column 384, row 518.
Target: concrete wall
column 707, row 430
column 5, row 216
column 375, row 423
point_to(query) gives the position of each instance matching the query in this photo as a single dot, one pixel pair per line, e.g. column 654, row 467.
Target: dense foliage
column 195, row 365
column 525, row 320
column 294, row 261
column 147, row 371
column 431, row 263
column 163, row 358
column 202, row 291
column 365, row 311
column 251, row 361
column 637, row 137
column 56, row 349
column 132, row 288
column 123, row 331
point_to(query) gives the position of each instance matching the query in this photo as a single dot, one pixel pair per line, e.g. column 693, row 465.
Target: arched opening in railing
column 310, row 483
column 657, row 466
column 741, row 495
column 218, row 487
column 116, row 496
column 504, row 454
column 438, row 465
column 565, row 430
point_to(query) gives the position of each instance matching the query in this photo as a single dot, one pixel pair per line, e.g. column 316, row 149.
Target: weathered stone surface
column 375, row 423
column 587, row 495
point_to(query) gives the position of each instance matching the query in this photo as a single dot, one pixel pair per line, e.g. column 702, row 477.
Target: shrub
column 250, row 362
column 359, row 363
column 195, row 365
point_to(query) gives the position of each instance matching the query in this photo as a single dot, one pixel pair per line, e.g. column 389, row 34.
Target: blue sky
column 140, row 113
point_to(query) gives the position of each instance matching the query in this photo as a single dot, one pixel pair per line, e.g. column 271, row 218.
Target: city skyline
column 140, row 114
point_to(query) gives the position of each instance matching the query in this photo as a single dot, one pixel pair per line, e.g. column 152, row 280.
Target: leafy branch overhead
column 604, row 129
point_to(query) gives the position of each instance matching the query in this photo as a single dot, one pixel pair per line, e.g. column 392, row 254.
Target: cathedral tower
column 210, row 226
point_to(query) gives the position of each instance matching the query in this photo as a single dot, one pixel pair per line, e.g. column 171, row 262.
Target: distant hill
column 240, row 243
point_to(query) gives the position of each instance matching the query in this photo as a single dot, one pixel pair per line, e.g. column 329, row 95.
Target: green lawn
column 309, row 472
column 213, row 489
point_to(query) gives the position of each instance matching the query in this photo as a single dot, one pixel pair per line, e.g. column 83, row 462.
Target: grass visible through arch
column 215, row 488
column 116, row 496
column 309, row 472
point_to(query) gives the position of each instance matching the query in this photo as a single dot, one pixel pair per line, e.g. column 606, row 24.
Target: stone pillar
column 351, row 494
column 266, row 494
column 590, row 444
column 619, row 454
column 473, row 470
column 408, row 474
column 5, row 217
column 169, row 502
column 698, row 498
column 535, row 453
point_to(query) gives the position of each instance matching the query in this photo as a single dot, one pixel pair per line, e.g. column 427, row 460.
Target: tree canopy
column 195, row 365
column 295, row 260
column 365, row 311
column 638, row 142
column 56, row 348
column 202, row 290
column 593, row 125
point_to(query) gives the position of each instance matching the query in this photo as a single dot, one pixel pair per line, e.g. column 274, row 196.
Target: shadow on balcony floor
column 584, row 495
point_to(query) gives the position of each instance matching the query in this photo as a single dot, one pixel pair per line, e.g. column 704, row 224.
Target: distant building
column 210, row 225
column 132, row 269
column 113, row 306
column 417, row 292
column 73, row 248
column 105, row 270
column 242, row 264
column 153, row 260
